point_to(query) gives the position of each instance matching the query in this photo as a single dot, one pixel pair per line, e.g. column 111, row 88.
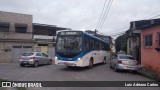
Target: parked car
column 124, row 62
column 34, row 58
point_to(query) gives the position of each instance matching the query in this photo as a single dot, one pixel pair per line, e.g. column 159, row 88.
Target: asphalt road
column 61, row 73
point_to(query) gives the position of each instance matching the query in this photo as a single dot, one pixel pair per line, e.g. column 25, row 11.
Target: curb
column 149, row 75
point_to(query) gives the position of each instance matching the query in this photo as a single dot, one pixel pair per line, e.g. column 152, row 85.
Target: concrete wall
column 6, row 56
column 14, row 35
column 16, row 19
column 44, row 49
column 150, row 58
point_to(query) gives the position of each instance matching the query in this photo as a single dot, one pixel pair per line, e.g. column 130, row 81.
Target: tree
column 121, row 43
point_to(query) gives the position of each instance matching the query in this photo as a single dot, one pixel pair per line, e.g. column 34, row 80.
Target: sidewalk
column 149, row 74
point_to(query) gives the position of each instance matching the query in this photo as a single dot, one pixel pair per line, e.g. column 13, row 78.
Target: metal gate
column 18, row 50
column 51, row 52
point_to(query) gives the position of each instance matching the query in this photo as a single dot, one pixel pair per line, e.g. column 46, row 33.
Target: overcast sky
column 84, row 14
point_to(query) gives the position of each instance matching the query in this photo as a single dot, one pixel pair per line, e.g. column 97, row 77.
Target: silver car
column 34, row 58
column 124, row 62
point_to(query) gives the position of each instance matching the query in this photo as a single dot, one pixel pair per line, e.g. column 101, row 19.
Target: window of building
column 148, row 40
column 21, row 29
column 42, row 44
column 4, row 28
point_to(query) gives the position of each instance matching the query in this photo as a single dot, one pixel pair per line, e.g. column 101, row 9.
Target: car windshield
column 126, row 57
column 28, row 54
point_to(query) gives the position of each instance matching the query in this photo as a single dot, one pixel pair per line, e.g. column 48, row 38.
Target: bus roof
column 96, row 37
column 86, row 34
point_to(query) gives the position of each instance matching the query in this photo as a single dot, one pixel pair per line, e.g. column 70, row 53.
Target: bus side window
column 91, row 44
column 103, row 48
column 86, row 43
column 107, row 47
column 100, row 45
column 97, row 45
column 93, row 47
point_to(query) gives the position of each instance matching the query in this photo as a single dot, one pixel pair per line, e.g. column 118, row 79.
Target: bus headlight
column 55, row 58
column 78, row 59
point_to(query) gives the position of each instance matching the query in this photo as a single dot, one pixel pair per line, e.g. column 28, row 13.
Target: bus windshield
column 69, row 45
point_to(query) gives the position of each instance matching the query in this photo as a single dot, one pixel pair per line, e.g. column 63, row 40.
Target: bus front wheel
column 90, row 64
column 104, row 60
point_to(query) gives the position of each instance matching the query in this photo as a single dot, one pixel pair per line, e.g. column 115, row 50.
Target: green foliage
column 121, row 43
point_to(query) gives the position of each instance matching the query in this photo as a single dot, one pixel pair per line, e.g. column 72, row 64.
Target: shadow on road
column 30, row 66
column 80, row 68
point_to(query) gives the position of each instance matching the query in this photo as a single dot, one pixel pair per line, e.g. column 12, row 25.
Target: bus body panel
column 82, row 59
column 98, row 57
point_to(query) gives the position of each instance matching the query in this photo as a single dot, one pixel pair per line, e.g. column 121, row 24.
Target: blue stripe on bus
column 73, row 58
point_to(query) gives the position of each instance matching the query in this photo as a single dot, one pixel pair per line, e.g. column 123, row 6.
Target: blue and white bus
column 80, row 49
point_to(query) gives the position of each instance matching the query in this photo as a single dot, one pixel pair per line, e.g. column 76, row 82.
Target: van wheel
column 90, row 64
column 36, row 64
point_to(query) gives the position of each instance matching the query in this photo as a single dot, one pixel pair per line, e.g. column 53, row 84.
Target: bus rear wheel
column 104, row 61
column 90, row 64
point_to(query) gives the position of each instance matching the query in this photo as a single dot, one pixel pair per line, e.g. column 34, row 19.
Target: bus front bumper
column 69, row 63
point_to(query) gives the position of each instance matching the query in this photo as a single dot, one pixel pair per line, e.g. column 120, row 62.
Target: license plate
column 129, row 67
column 66, row 63
column 24, row 62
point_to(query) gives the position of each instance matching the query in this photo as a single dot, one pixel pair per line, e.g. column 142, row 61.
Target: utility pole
column 95, row 32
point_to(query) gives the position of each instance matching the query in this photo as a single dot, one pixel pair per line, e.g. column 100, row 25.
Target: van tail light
column 119, row 61
column 33, row 58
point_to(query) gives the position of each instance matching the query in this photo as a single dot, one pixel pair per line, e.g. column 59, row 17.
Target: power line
column 155, row 11
column 104, row 13
column 101, row 14
column 105, row 16
column 155, row 16
column 152, row 13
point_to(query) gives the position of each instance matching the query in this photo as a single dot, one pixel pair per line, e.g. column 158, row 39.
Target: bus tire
column 90, row 64
column 69, row 66
column 104, row 60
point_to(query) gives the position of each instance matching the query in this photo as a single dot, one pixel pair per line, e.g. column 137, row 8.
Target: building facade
column 18, row 34
column 134, row 41
column 150, row 50
column 149, row 45
column 44, row 36
column 15, row 35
